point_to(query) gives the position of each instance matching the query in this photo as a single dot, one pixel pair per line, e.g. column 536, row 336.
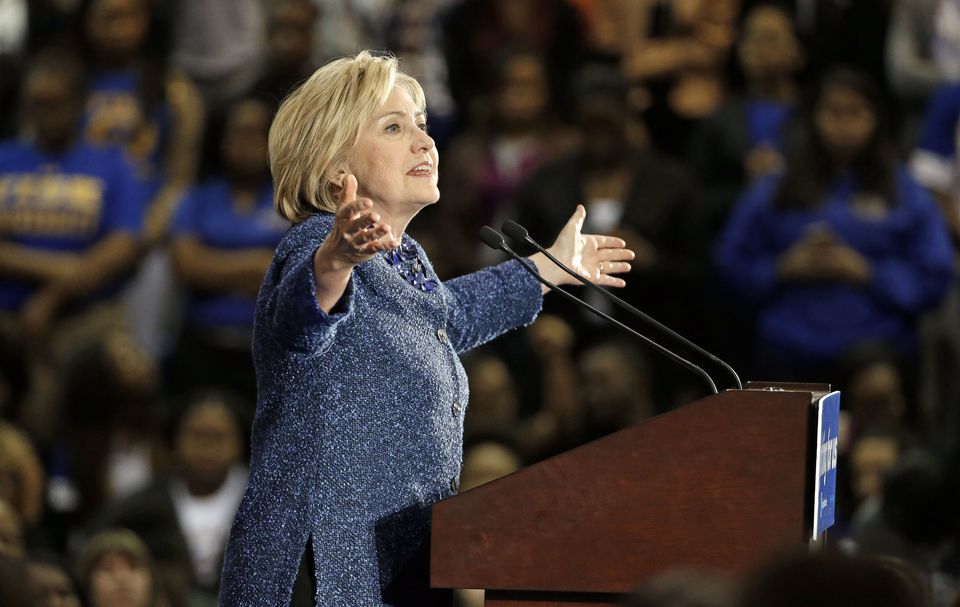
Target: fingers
column 615, row 254
column 608, row 242
column 614, row 267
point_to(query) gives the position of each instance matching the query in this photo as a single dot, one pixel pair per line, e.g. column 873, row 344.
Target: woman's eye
column 423, row 126
column 393, row 128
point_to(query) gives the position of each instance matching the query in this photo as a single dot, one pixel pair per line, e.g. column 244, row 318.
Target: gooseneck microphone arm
column 494, row 240
column 519, row 233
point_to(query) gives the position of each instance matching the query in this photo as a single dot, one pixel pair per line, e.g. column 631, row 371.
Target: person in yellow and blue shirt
column 70, row 214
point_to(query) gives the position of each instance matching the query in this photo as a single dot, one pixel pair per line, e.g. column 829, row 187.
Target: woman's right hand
column 357, row 235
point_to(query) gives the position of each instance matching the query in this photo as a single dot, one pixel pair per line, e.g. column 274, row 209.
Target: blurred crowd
column 787, row 173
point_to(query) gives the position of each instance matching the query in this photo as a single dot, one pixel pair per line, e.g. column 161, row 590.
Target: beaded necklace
column 408, row 265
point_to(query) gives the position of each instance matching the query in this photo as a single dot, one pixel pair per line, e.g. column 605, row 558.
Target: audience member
column 115, row 569
column 52, row 584
column 224, row 234
column 832, row 580
column 485, row 165
column 185, row 517
column 290, row 30
column 745, row 138
column 474, row 31
column 108, row 445
column 845, row 249
column 630, row 191
column 675, row 52
column 219, row 44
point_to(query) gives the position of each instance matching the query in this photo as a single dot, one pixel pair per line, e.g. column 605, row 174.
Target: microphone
column 519, row 233
column 494, row 240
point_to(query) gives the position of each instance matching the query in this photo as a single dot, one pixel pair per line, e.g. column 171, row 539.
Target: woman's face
column 52, row 106
column 117, row 28
column 845, row 121
column 208, row 444
column 768, row 47
column 523, row 91
column 119, row 580
column 395, row 161
column 244, row 144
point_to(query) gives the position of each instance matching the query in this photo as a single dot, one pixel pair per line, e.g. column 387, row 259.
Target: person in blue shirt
column 70, row 214
column 934, row 162
column 843, row 250
column 136, row 101
column 223, row 237
column 360, row 391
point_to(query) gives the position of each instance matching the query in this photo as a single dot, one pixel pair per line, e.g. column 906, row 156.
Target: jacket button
column 456, row 408
column 442, row 335
column 454, row 484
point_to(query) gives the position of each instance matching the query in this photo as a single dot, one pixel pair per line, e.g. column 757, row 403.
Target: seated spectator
column 844, row 249
column 674, row 53
column 137, row 102
column 53, row 586
column 475, row 31
column 69, row 214
column 185, row 517
column 615, row 388
column 224, row 234
column 745, row 138
column 290, row 27
column 115, row 569
column 485, row 165
column 108, row 446
column 629, row 191
column 832, row 580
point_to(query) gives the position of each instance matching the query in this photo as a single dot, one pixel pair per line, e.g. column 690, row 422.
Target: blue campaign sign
column 825, row 493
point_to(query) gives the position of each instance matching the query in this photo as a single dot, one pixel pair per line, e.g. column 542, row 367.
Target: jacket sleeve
column 744, row 258
column 917, row 279
column 287, row 308
column 490, row 302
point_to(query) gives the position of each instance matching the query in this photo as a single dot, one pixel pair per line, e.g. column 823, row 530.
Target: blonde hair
column 318, row 124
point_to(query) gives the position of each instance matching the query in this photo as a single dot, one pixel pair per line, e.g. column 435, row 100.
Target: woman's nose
column 423, row 141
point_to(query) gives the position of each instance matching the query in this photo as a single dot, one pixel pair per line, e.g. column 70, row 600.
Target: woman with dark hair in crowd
column 184, row 516
column 224, row 233
column 136, row 101
column 486, row 164
column 844, row 249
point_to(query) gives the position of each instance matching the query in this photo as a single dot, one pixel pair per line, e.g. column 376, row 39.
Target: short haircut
column 318, row 124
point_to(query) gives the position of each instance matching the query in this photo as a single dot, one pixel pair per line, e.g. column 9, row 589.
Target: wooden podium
column 715, row 484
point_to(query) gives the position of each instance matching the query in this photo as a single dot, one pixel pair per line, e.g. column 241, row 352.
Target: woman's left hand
column 593, row 256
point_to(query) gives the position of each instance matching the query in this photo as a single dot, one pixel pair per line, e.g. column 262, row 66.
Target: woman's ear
column 336, row 180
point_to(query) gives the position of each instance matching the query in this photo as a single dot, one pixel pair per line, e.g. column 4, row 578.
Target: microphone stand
column 520, row 234
column 494, row 240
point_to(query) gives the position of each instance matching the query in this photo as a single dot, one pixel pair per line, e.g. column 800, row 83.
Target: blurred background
column 787, row 173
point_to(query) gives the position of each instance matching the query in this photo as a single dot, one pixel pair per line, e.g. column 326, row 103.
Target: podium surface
column 716, row 484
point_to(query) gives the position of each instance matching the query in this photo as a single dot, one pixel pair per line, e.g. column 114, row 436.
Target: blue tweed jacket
column 359, row 422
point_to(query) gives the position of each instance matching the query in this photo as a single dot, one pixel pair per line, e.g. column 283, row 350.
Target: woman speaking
column 360, row 393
